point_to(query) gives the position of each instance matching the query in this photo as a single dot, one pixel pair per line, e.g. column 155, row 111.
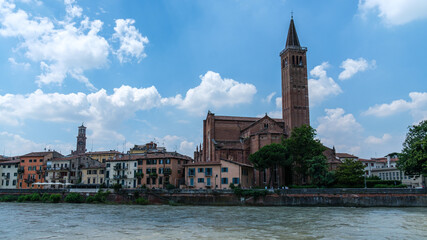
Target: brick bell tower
column 81, row 141
column 295, row 107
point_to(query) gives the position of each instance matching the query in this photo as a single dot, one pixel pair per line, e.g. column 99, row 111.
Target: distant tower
column 295, row 107
column 81, row 141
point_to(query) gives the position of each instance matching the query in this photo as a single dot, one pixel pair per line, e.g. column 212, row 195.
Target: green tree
column 413, row 159
column 318, row 171
column 269, row 157
column 303, row 147
column 350, row 173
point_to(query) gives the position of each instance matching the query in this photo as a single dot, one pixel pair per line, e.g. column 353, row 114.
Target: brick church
column 235, row 138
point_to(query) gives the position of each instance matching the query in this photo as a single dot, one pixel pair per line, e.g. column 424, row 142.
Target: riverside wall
column 346, row 197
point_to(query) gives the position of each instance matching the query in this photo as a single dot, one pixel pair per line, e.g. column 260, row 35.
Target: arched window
column 300, row 61
column 293, row 60
column 286, row 62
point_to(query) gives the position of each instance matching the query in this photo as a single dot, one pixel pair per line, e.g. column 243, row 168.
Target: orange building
column 32, row 168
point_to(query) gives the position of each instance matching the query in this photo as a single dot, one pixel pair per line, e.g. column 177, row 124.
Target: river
column 91, row 221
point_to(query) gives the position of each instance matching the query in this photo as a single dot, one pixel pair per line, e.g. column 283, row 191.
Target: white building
column 9, row 173
column 122, row 171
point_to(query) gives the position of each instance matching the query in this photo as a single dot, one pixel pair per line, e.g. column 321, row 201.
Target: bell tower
column 295, row 107
column 81, row 141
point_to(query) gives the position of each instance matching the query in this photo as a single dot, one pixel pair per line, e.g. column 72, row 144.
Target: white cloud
column 417, row 107
column 375, row 140
column 279, row 102
column 343, row 131
column 67, row 48
column 323, row 86
column 19, row 64
column 352, row 67
column 395, row 12
column 213, row 92
column 15, row 145
column 131, row 41
column 269, row 97
column 177, row 143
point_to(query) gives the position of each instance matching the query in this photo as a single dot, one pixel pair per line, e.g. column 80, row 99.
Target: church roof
column 248, row 119
column 292, row 40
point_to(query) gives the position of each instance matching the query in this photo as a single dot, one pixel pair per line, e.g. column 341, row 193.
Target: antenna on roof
column 292, row 14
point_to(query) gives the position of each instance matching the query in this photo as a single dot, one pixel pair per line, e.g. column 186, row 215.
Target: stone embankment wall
column 290, row 197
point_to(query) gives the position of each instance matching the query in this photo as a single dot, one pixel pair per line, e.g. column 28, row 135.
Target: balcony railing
column 120, row 167
column 120, row 176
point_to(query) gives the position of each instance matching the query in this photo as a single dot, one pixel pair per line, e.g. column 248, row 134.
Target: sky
column 138, row 71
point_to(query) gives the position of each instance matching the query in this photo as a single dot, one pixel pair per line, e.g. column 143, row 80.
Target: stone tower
column 295, row 107
column 81, row 141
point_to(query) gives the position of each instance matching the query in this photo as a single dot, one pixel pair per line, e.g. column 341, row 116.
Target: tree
column 350, row 173
column 269, row 157
column 413, row 159
column 318, row 171
column 302, row 147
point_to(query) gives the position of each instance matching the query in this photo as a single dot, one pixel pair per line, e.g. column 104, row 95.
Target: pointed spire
column 292, row 40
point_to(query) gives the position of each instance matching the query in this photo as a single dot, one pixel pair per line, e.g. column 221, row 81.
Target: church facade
column 235, row 138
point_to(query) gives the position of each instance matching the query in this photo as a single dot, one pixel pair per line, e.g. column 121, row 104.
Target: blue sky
column 139, row 71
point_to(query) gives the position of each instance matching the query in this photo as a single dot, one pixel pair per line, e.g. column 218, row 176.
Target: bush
column 9, row 198
column 45, row 197
column 372, row 183
column 141, row 201
column 90, row 199
column 232, row 186
column 249, row 192
column 101, row 196
column 55, row 198
column 24, row 198
column 170, row 186
column 117, row 187
column 74, row 198
column 35, row 197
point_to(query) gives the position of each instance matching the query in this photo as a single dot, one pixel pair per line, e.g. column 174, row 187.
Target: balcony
column 29, row 180
column 120, row 176
column 56, row 169
column 21, row 170
column 119, row 167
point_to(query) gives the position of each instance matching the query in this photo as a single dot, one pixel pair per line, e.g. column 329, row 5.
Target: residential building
column 103, row 156
column 9, row 173
column 121, row 171
column 218, row 175
column 94, row 174
column 32, row 168
column 67, row 170
column 148, row 147
column 161, row 168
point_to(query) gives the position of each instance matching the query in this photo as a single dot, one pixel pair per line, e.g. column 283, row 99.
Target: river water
column 91, row 221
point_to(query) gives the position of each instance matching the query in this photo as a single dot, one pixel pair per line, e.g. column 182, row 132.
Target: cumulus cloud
column 342, row 130
column 323, row 86
column 15, row 145
column 352, row 67
column 66, row 48
column 396, row 12
column 375, row 140
column 269, row 97
column 214, row 92
column 132, row 43
column 177, row 143
column 417, row 107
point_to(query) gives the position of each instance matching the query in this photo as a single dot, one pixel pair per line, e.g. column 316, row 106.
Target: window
column 200, row 170
column 108, row 165
column 148, row 161
column 134, row 164
column 94, row 171
column 235, row 180
column 154, row 161
column 208, row 172
column 208, row 181
column 191, row 181
column 200, row 180
column 160, row 180
column 224, row 169
column 41, row 160
column 14, row 183
column 160, row 161
column 191, row 172
column 168, row 161
column 139, row 162
column 29, row 168
column 244, row 172
column 148, row 171
column 22, row 161
column 153, row 170
column 89, row 172
column 8, row 166
column 31, row 160
column 224, row 180
column 15, row 174
column 148, row 180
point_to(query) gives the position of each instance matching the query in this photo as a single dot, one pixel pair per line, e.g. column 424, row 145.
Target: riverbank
column 349, row 197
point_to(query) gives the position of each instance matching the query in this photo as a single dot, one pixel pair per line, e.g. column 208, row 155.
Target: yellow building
column 93, row 175
column 102, row 156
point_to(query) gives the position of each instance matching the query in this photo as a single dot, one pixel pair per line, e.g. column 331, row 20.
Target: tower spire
column 292, row 40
